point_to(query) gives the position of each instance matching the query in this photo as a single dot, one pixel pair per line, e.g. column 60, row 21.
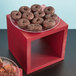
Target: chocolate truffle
column 24, row 9
column 39, row 14
column 34, row 27
column 36, row 7
column 37, row 20
column 28, row 15
column 15, row 15
column 22, row 23
column 49, row 10
column 48, row 23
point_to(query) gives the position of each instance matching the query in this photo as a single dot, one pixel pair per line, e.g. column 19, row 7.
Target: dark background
column 63, row 68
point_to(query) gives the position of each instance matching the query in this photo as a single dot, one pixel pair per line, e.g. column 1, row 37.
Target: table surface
column 63, row 68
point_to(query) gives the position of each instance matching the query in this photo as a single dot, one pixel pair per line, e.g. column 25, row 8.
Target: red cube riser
column 19, row 43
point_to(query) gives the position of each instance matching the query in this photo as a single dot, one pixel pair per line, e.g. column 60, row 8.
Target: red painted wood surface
column 36, row 51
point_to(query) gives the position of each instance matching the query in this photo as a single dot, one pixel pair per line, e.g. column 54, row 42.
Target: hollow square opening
column 46, row 49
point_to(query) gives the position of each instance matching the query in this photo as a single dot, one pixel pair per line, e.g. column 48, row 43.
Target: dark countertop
column 63, row 68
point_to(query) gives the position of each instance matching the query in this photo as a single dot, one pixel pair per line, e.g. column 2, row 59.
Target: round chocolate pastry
column 24, row 9
column 15, row 15
column 34, row 27
column 28, row 15
column 22, row 23
column 37, row 20
column 49, row 10
column 36, row 7
column 48, row 16
column 39, row 14
column 48, row 23
column 54, row 16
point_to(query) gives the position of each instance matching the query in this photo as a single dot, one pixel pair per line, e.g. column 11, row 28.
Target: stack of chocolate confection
column 35, row 18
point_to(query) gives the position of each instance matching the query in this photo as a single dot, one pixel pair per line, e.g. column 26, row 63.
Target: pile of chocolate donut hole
column 35, row 18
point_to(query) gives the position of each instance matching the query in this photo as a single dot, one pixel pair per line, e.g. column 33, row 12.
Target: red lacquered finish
column 36, row 51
